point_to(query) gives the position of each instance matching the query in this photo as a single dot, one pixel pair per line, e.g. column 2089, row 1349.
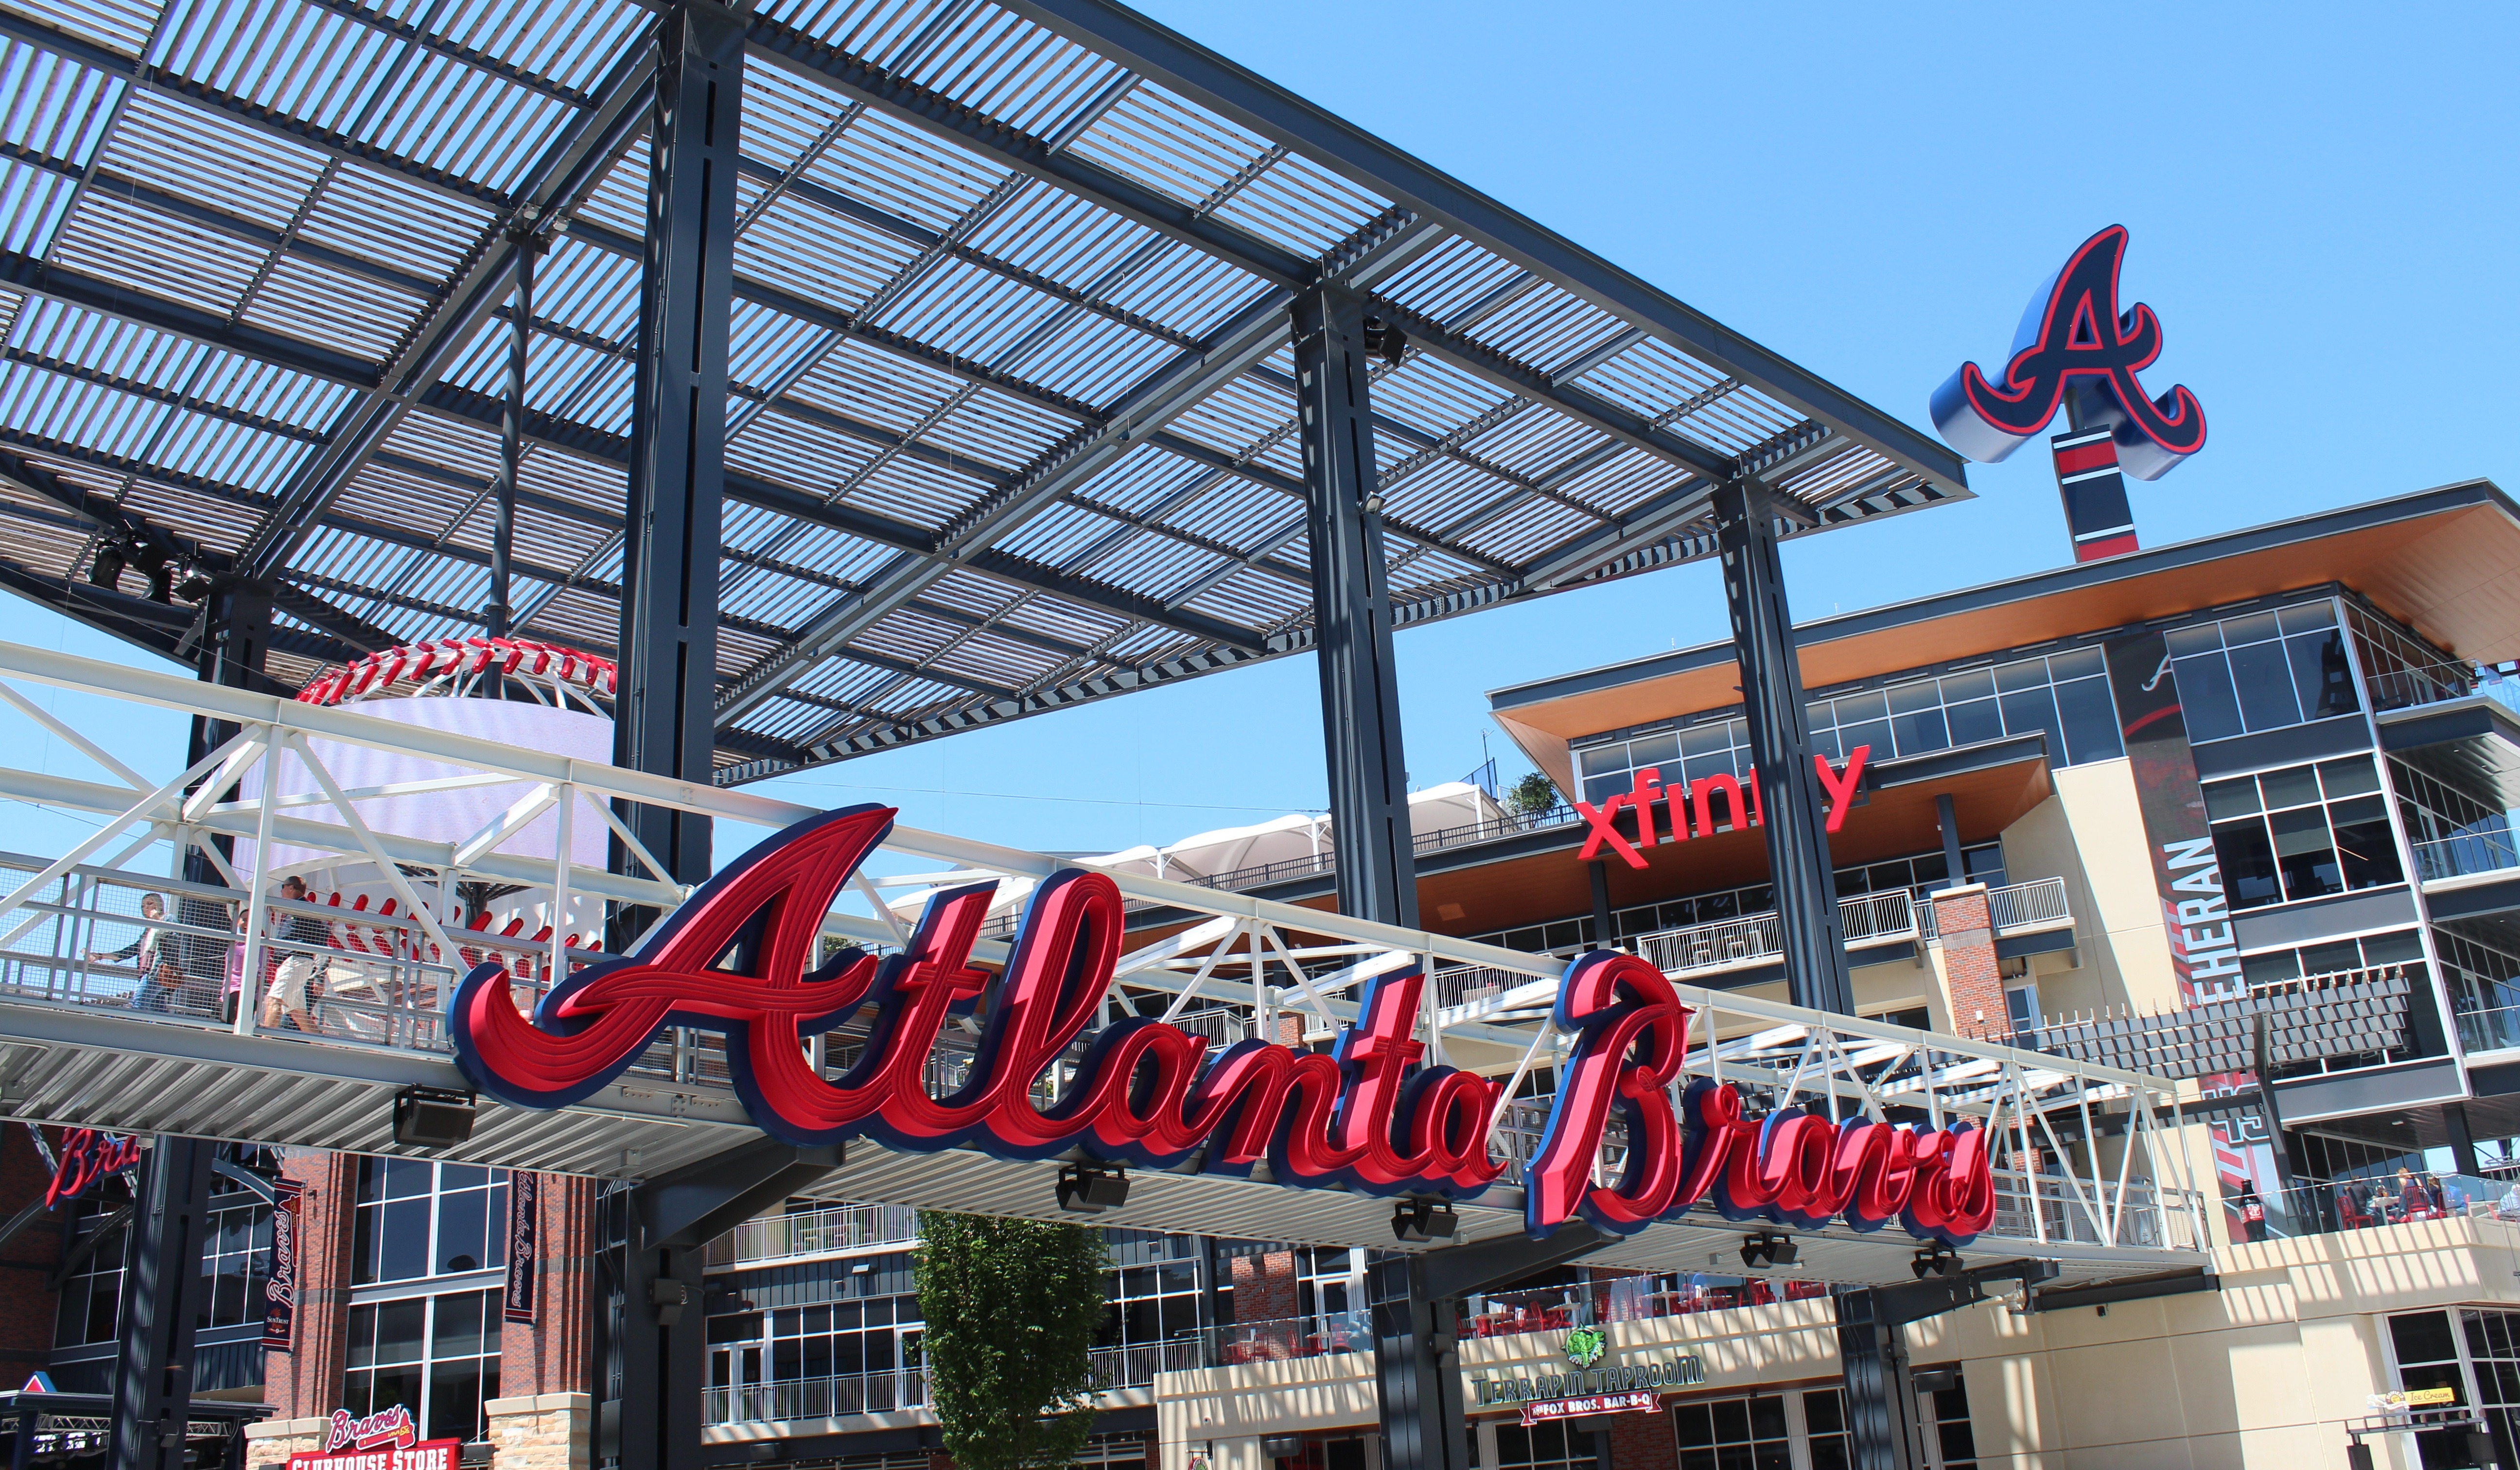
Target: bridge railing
column 1233, row 967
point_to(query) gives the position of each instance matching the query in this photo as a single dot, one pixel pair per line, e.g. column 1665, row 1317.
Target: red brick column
column 556, row 1354
column 305, row 1382
column 1974, row 981
column 26, row 1306
column 1264, row 1287
column 1642, row 1442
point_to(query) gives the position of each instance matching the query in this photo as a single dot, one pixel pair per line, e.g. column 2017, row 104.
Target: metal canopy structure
column 1012, row 415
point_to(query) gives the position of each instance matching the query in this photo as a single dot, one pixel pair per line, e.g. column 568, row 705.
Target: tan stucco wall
column 2262, row 1374
column 2091, row 833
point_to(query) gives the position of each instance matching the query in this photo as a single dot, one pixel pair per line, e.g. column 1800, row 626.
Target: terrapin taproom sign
column 1365, row 1116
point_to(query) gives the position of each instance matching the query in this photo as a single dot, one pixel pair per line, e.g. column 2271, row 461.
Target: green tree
column 1531, row 795
column 1011, row 1307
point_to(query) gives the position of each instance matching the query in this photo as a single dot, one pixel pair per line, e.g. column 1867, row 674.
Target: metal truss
column 1010, row 385
column 2119, row 1199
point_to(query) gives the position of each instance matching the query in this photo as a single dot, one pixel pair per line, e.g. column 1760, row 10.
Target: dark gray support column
column 660, row 1343
column 1881, row 1418
column 497, row 612
column 2462, row 1139
column 1415, row 1302
column 1604, row 926
column 661, row 715
column 152, row 1373
column 1949, row 821
column 236, row 637
column 663, row 711
column 1369, row 771
column 1793, row 814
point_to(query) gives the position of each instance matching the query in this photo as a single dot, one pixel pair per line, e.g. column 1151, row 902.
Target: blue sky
column 2323, row 209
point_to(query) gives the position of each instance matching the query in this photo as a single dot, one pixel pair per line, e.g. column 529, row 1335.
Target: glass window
column 2304, row 846
column 419, row 1219
column 2205, row 700
column 2305, row 854
column 2090, row 718
column 437, row 1357
column 2248, row 860
column 2264, row 682
column 2035, row 709
column 2262, row 672
column 235, row 1257
column 1548, row 1447
column 91, row 1296
column 2066, row 695
column 1825, row 1430
column 1729, row 1434
column 1972, row 721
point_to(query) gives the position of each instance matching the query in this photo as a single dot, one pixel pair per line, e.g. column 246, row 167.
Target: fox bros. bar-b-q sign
column 1367, row 1115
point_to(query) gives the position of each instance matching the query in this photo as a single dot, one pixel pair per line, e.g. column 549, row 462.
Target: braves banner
column 524, row 1245
column 2204, row 952
column 1365, row 1116
column 280, row 1289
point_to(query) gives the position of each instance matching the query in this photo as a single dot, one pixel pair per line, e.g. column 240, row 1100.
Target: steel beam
column 1880, row 1395
column 569, row 170
column 1415, row 1302
column 153, row 1367
column 1246, row 339
column 1794, row 817
column 1120, row 35
column 678, row 436
column 1369, row 771
column 500, row 608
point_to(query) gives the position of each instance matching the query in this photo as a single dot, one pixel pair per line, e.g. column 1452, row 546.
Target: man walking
column 299, row 937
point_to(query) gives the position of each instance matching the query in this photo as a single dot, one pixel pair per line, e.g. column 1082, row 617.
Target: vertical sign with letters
column 524, row 1245
column 2204, row 952
column 280, row 1289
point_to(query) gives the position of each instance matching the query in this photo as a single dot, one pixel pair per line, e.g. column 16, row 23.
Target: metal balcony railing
column 2465, row 854
column 2016, row 908
column 881, row 1392
column 2028, row 906
column 818, row 1233
column 1281, row 1339
column 893, row 1389
column 1137, row 1365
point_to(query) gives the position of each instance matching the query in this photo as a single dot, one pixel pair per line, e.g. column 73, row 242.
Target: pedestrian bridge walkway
column 120, row 989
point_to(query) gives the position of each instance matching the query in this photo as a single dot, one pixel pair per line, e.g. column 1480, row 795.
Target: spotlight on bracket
column 1764, row 1248
column 105, row 569
column 195, row 584
column 1937, row 1260
column 1383, row 339
column 431, row 1117
column 1282, row 1446
column 150, row 560
column 1088, row 1191
column 1414, row 1222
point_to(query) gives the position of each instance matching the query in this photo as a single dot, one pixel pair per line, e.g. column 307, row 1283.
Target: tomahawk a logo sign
column 2074, row 341
column 1365, row 1116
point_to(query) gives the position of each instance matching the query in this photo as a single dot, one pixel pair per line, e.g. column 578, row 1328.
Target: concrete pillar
column 272, row 1441
column 541, row 1431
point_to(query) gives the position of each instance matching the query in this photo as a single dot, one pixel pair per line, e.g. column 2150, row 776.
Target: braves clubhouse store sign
column 1365, row 1116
